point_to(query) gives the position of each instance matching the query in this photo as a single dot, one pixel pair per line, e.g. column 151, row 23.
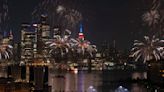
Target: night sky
column 104, row 20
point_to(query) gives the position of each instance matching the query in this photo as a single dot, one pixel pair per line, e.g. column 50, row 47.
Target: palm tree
column 149, row 49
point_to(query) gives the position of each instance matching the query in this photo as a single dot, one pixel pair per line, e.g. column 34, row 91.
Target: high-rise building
column 34, row 53
column 81, row 35
column 41, row 70
column 27, row 44
column 43, row 35
column 44, row 28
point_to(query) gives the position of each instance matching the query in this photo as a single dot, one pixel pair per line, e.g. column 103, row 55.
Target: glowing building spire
column 81, row 28
column 81, row 35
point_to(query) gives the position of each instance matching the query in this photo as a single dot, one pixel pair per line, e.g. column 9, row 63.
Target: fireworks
column 60, row 9
column 151, row 17
column 91, row 49
column 62, row 44
column 155, row 4
column 5, row 50
column 58, row 14
column 4, row 16
column 150, row 48
column 81, row 46
column 84, row 47
column 59, row 45
column 154, row 17
column 71, row 17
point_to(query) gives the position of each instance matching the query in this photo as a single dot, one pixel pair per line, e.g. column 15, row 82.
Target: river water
column 95, row 81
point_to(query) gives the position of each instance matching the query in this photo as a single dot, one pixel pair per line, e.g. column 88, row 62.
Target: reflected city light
column 121, row 89
column 75, row 70
column 91, row 89
column 138, row 75
column 52, row 53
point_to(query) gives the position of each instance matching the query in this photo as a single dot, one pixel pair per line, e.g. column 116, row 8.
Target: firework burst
column 151, row 17
column 150, row 48
column 70, row 17
column 57, row 14
column 4, row 18
column 61, row 44
column 5, row 50
column 84, row 47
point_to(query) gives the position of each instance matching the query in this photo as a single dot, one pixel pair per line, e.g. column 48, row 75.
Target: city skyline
column 81, row 45
column 104, row 21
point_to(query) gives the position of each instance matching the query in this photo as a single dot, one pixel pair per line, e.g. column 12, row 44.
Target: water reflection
column 82, row 81
column 138, row 88
column 69, row 82
column 139, row 75
column 3, row 71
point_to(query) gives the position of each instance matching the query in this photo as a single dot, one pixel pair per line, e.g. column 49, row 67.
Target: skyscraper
column 81, row 35
column 34, row 53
